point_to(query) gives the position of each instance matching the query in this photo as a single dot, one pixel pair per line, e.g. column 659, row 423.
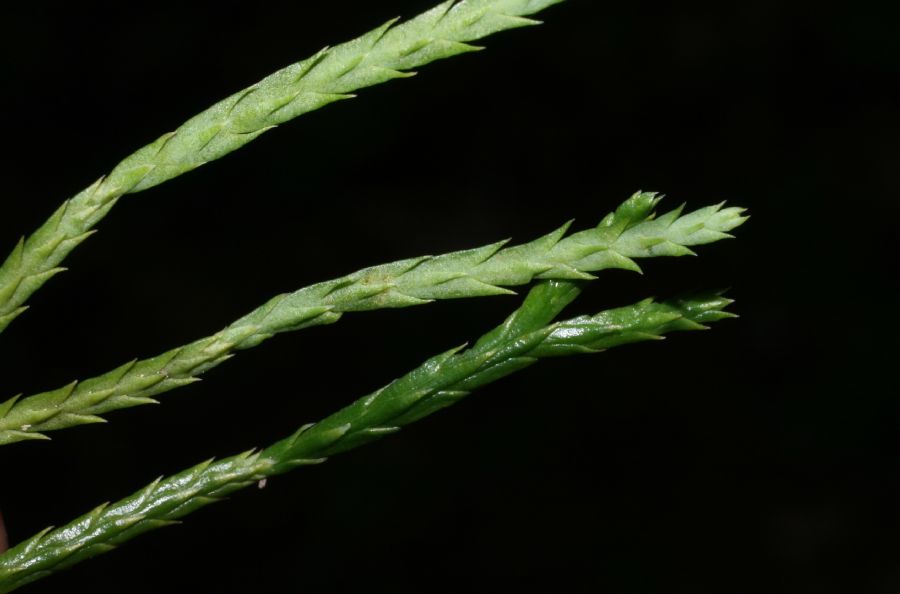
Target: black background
column 758, row 457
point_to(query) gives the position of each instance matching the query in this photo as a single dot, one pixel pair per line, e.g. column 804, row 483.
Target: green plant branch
column 524, row 338
column 383, row 54
column 630, row 232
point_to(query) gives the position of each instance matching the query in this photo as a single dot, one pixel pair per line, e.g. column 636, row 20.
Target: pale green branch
column 630, row 232
column 385, row 53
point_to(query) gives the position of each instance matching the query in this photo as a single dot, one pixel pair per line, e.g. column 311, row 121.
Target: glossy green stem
column 525, row 337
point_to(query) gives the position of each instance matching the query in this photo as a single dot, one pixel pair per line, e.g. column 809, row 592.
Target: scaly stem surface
column 385, row 53
column 630, row 232
column 520, row 341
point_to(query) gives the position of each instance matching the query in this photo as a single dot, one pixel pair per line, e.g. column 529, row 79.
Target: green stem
column 441, row 381
column 383, row 54
column 630, row 232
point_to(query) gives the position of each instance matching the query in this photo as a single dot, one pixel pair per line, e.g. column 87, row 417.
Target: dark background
column 758, row 457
